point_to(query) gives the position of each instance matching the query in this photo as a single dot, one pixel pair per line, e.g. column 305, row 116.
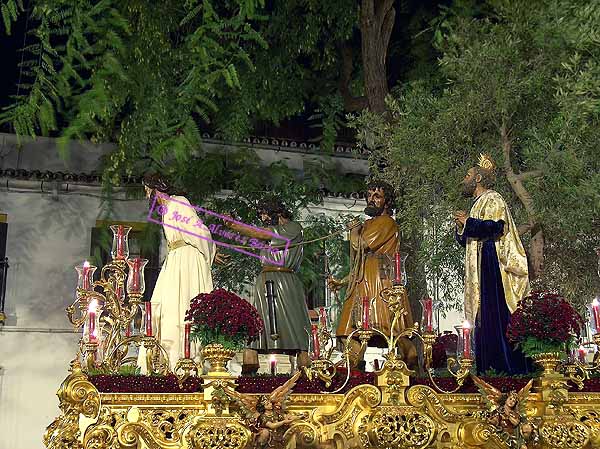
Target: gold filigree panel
column 218, row 433
column 564, row 435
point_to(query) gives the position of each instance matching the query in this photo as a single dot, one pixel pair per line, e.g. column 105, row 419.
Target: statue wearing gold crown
column 496, row 274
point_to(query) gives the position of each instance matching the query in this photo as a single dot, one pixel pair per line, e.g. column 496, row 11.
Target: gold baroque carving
column 369, row 394
column 168, row 424
column 102, row 434
column 421, row 396
column 393, row 427
column 564, row 435
column 218, row 433
column 76, row 396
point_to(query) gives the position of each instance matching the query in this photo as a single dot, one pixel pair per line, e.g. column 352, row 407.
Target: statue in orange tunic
column 372, row 249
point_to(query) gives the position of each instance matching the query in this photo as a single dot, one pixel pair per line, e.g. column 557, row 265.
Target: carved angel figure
column 266, row 415
column 507, row 414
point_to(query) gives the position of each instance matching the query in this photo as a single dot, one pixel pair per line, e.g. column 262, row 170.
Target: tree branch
column 524, row 228
column 351, row 103
column 382, row 11
column 386, row 28
column 529, row 174
column 536, row 245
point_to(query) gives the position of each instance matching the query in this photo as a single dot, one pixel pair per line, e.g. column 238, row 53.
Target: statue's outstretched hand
column 353, row 224
column 222, row 259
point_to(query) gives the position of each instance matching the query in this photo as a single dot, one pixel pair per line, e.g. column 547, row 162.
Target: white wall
column 46, row 239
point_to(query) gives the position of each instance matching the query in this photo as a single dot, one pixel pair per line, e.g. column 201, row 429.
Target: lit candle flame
column 596, row 303
column 86, row 264
column 466, row 325
column 273, row 359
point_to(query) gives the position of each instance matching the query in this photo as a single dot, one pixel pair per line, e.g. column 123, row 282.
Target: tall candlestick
column 186, row 347
column 322, row 317
column 327, row 274
column 273, row 364
column 92, row 336
column 366, row 312
column 148, row 319
column 596, row 314
column 272, row 309
column 86, row 275
column 136, row 273
column 466, row 330
column 398, row 269
column 120, row 242
column 427, row 304
column 315, row 340
column 581, row 352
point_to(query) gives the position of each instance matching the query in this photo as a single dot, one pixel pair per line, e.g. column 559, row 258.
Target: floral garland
column 544, row 322
column 115, row 383
column 223, row 317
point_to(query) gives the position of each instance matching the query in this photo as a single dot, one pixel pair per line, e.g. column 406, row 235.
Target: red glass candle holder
column 366, row 312
column 427, row 314
column 120, row 245
column 595, row 315
column 465, row 340
column 85, row 273
column 135, row 277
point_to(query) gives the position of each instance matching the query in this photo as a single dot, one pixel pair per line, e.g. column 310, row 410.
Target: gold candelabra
column 578, row 372
column 322, row 366
column 106, row 310
column 393, row 367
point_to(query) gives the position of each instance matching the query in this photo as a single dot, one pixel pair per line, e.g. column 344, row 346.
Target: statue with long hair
column 186, row 271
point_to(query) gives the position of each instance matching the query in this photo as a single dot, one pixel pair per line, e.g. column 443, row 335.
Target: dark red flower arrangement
column 544, row 322
column 223, row 317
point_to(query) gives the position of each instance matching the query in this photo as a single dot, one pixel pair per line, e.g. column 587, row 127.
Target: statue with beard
column 496, row 274
column 292, row 311
column 372, row 249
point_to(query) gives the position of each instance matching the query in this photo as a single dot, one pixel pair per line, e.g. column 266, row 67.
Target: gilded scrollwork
column 168, row 424
column 368, row 395
column 218, row 433
column 423, row 396
column 403, row 428
column 102, row 434
column 76, row 396
column 564, row 434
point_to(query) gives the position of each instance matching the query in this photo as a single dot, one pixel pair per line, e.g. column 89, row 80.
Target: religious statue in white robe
column 185, row 273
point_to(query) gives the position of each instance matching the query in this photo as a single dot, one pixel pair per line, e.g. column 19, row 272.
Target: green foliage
column 10, row 10
column 532, row 346
column 125, row 370
column 533, row 67
column 206, row 335
column 131, row 73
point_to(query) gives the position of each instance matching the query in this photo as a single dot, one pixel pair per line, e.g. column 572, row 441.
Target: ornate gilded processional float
column 326, row 406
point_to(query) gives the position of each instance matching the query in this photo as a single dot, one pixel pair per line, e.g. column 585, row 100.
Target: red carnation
column 544, row 322
column 223, row 317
